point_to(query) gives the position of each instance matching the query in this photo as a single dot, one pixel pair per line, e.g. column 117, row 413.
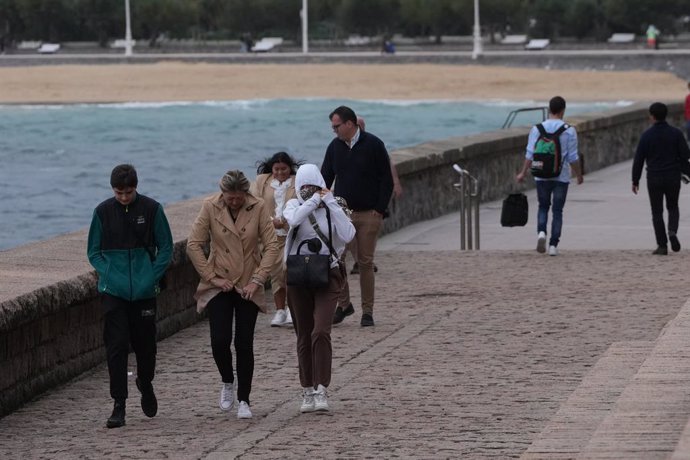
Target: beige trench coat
column 234, row 247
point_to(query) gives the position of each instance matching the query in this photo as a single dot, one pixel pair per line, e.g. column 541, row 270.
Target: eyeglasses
column 335, row 127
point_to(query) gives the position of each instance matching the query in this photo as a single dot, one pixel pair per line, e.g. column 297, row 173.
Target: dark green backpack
column 547, row 161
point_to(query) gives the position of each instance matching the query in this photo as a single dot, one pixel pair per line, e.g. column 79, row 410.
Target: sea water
column 56, row 159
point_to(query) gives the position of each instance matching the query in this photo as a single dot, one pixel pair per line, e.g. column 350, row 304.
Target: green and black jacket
column 130, row 247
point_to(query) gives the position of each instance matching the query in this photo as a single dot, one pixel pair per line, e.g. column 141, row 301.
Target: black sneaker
column 661, row 251
column 117, row 419
column 367, row 320
column 340, row 314
column 675, row 244
column 149, row 403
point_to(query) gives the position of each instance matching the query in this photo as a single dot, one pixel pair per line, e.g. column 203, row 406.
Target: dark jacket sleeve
column 164, row 243
column 638, row 162
column 383, row 164
column 93, row 248
column 328, row 167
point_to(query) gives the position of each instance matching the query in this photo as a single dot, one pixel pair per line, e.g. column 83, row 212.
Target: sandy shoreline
column 176, row 81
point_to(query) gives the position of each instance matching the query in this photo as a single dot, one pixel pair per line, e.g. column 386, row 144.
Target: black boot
column 117, row 419
column 149, row 403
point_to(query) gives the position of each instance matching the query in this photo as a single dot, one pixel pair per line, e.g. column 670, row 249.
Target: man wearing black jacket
column 666, row 153
column 358, row 162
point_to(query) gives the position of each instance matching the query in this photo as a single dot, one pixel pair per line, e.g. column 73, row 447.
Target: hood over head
column 308, row 174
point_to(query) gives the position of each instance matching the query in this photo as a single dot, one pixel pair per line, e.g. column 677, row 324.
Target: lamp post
column 128, row 31
column 477, row 42
column 305, row 17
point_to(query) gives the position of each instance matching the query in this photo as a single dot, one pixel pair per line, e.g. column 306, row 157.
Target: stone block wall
column 51, row 334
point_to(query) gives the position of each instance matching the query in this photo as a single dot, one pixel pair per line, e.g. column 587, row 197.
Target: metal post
column 477, row 33
column 468, row 187
column 305, row 28
column 462, row 211
column 128, row 31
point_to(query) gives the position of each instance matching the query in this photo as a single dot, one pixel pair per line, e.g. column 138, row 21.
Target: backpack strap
column 560, row 130
column 542, row 131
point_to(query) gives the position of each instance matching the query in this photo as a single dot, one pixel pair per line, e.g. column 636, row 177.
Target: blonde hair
column 234, row 181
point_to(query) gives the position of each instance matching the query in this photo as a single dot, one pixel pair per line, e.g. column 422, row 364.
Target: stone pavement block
column 465, row 361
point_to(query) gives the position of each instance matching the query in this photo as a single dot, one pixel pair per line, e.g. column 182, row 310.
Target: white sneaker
column 288, row 316
column 227, row 396
column 307, row 400
column 553, row 251
column 243, row 410
column 320, row 401
column 279, row 318
column 541, row 243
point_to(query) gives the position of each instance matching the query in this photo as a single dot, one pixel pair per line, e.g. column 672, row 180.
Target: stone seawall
column 50, row 318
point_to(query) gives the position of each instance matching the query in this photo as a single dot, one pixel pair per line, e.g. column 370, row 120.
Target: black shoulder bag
column 311, row 270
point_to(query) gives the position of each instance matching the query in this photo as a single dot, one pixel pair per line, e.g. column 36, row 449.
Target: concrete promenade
column 498, row 353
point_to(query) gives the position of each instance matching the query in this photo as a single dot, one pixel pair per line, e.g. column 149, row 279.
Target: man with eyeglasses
column 359, row 164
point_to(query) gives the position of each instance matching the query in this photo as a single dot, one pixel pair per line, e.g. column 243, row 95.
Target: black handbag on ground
column 515, row 210
column 310, row 270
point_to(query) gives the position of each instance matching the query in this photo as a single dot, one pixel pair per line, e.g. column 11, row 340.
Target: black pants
column 128, row 323
column 659, row 188
column 221, row 310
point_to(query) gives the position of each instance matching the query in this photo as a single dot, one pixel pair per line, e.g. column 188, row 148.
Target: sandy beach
column 176, row 81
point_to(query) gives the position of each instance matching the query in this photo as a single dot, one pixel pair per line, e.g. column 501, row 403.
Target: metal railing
column 511, row 116
column 468, row 186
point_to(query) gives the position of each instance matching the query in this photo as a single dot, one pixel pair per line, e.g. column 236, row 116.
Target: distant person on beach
column 130, row 246
column 687, row 113
column 397, row 193
column 653, row 37
column 235, row 225
column 359, row 164
column 665, row 151
column 275, row 183
column 552, row 190
column 316, row 208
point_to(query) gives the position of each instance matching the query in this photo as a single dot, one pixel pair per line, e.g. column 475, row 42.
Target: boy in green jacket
column 130, row 246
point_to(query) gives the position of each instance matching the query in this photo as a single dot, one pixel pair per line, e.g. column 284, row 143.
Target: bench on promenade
column 121, row 43
column 48, row 48
column 514, row 40
column 621, row 38
column 267, row 44
column 537, row 44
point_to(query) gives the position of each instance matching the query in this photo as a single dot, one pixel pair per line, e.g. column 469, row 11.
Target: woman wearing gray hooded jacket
column 312, row 309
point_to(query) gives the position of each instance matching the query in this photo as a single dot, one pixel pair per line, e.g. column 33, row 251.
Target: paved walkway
column 496, row 353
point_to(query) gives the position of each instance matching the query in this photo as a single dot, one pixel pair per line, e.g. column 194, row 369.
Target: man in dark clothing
column 130, row 246
column 358, row 162
column 666, row 153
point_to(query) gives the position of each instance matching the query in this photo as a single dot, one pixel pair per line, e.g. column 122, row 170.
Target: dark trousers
column 128, row 323
column 221, row 310
column 312, row 315
column 659, row 188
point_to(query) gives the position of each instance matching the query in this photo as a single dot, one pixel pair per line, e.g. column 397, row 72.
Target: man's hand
column 635, row 188
column 580, row 179
column 520, row 176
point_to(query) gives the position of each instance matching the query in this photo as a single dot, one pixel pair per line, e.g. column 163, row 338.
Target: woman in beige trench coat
column 236, row 224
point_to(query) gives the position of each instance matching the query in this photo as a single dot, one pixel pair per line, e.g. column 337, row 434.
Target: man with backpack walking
column 550, row 154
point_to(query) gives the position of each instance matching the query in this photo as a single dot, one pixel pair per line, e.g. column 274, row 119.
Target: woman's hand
column 248, row 291
column 222, row 284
